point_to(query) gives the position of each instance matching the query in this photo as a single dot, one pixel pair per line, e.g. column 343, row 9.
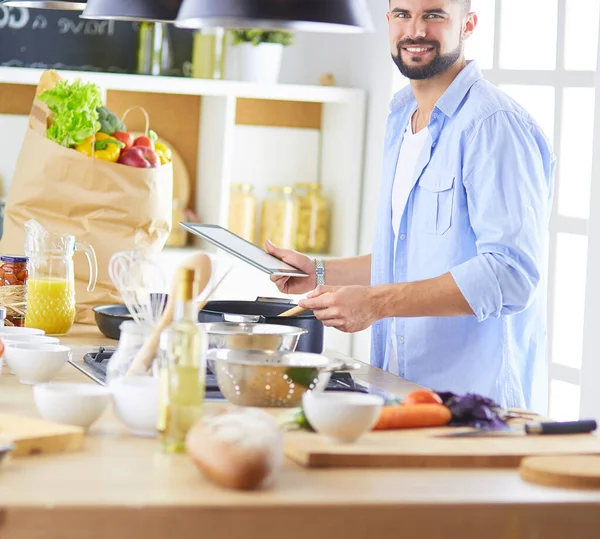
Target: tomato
column 422, row 396
column 1, row 347
column 125, row 138
column 144, row 141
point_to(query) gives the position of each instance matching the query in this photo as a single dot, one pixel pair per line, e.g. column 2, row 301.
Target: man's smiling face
column 427, row 36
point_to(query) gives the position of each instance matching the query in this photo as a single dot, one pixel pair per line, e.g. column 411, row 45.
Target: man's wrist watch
column 320, row 271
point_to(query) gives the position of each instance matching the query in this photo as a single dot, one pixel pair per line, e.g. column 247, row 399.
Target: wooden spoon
column 143, row 359
column 295, row 311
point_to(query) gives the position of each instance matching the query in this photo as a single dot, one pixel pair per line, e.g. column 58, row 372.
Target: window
column 543, row 53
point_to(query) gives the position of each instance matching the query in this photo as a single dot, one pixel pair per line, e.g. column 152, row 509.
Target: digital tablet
column 244, row 250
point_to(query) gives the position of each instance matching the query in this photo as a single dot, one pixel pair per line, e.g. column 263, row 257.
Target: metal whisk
column 141, row 283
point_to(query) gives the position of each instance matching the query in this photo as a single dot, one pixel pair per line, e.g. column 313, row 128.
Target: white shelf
column 229, row 153
column 189, row 86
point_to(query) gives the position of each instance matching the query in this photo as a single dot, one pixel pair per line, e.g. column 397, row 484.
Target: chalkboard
column 61, row 40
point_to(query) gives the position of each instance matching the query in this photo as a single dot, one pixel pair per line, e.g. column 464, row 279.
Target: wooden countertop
column 121, row 486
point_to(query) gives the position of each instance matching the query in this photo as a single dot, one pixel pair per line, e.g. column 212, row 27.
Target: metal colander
column 270, row 379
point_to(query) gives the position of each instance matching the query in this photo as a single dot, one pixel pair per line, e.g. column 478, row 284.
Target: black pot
column 266, row 312
column 109, row 318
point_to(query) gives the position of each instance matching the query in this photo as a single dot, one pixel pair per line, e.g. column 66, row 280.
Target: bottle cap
column 186, row 283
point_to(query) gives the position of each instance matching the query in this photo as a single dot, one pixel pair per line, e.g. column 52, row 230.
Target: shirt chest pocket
column 433, row 202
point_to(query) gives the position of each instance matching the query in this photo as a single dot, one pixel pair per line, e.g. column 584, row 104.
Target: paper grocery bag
column 111, row 206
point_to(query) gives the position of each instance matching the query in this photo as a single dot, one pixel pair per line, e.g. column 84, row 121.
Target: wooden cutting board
column 32, row 436
column 581, row 472
column 417, row 448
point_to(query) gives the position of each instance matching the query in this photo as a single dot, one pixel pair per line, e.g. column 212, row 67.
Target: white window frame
column 590, row 369
column 559, row 79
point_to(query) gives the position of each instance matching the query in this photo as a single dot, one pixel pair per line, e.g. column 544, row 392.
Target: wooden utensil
column 295, row 311
column 211, row 292
column 32, row 436
column 562, row 471
column 143, row 359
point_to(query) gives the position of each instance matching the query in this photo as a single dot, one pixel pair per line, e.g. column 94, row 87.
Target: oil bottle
column 182, row 368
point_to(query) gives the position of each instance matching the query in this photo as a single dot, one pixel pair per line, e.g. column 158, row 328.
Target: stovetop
column 95, row 364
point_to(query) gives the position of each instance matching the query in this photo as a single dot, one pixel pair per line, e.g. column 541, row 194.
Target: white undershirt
column 412, row 145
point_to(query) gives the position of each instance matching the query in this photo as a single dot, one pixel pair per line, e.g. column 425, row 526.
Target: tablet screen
column 244, row 250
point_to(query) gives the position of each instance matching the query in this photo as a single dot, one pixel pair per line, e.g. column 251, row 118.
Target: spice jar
column 279, row 217
column 313, row 219
column 242, row 212
column 13, row 288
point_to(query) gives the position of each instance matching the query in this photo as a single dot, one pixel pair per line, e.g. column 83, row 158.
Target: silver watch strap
column 320, row 267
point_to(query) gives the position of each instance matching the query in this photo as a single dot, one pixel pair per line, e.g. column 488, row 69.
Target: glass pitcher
column 51, row 284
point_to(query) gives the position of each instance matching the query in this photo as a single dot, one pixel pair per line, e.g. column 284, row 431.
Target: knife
column 559, row 427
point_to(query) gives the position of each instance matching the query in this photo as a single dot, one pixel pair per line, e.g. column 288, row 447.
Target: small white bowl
column 14, row 330
column 343, row 417
column 35, row 363
column 136, row 403
column 42, row 339
column 72, row 403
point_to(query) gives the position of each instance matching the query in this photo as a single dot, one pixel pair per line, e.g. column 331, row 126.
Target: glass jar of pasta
column 14, row 273
column 242, row 211
column 314, row 219
column 279, row 217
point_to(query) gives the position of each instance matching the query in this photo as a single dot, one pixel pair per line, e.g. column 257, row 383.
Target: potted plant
column 257, row 54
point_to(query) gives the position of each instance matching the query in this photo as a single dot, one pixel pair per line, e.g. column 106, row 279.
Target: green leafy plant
column 74, row 105
column 256, row 36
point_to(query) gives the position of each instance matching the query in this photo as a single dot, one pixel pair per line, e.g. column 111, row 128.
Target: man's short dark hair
column 465, row 3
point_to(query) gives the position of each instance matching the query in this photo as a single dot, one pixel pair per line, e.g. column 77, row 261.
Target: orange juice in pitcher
column 50, row 305
column 51, row 284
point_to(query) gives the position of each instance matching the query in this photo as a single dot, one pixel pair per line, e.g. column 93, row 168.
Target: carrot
column 413, row 416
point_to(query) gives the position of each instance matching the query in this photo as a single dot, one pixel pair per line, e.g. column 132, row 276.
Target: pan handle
column 243, row 318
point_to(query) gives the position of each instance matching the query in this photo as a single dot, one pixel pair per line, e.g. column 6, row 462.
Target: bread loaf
column 241, row 449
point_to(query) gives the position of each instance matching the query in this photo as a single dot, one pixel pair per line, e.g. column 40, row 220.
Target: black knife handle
column 562, row 427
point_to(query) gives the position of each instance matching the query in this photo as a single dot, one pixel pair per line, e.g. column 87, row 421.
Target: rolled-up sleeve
column 508, row 173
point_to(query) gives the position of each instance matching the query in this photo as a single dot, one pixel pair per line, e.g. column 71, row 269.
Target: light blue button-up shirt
column 479, row 208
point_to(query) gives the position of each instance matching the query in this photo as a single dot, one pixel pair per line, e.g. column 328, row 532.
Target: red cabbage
column 472, row 410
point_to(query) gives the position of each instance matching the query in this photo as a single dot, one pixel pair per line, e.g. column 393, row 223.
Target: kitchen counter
column 123, row 487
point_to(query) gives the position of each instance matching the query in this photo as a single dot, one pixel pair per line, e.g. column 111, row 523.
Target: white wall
column 361, row 61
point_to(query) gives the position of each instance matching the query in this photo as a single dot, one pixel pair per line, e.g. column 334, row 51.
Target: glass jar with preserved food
column 313, row 219
column 242, row 212
column 14, row 274
column 279, row 217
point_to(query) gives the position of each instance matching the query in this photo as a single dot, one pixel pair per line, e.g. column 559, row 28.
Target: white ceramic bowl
column 343, row 417
column 72, row 403
column 43, row 339
column 12, row 330
column 135, row 400
column 35, row 363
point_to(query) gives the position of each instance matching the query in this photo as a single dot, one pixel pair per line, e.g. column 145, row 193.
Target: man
column 455, row 286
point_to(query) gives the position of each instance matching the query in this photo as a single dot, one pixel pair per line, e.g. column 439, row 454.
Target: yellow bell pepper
column 164, row 153
column 106, row 148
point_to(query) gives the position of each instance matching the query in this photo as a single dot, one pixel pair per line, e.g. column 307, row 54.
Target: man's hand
column 347, row 308
column 293, row 285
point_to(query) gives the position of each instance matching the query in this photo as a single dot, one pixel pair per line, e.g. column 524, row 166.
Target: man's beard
column 439, row 64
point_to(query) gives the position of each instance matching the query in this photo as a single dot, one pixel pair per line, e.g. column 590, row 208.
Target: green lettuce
column 74, row 105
